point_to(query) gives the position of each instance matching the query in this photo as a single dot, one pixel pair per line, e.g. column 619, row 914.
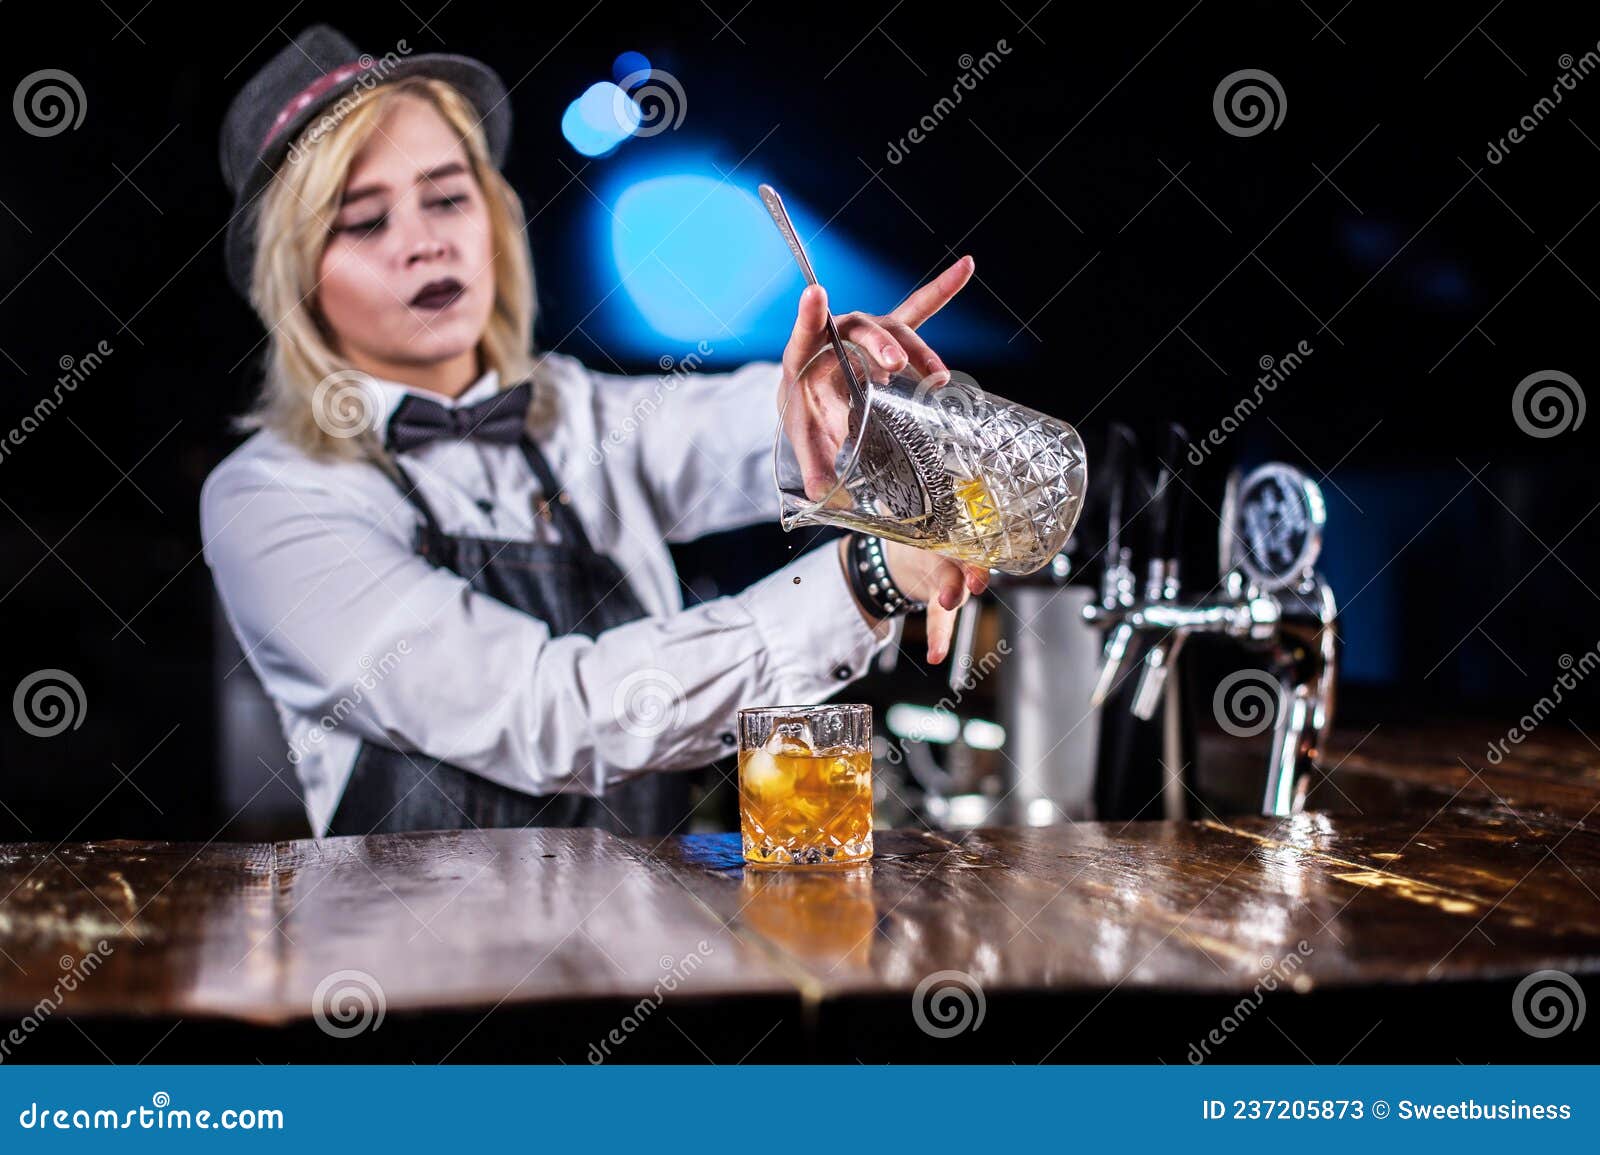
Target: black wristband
column 868, row 572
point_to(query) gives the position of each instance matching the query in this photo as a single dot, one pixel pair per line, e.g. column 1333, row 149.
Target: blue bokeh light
column 1370, row 242
column 629, row 64
column 696, row 258
column 1444, row 282
column 599, row 120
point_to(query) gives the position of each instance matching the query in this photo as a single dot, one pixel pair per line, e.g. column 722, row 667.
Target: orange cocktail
column 805, row 784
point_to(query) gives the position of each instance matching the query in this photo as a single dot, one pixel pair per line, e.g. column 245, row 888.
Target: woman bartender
column 465, row 612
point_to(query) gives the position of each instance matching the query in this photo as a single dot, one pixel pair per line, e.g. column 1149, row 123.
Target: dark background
column 1428, row 281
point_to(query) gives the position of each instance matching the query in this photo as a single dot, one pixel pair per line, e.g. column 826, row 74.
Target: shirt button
column 727, row 738
column 842, row 672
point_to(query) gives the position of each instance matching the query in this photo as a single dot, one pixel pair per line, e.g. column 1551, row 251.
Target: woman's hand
column 816, row 418
column 927, row 577
column 816, row 422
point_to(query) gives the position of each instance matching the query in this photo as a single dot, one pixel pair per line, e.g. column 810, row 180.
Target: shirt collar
column 387, row 395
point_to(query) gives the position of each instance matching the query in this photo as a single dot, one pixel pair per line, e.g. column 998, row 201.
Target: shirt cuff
column 816, row 638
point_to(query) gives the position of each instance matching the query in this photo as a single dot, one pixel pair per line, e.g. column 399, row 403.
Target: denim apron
column 573, row 590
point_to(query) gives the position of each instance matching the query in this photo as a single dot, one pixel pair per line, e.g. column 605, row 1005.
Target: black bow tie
column 417, row 420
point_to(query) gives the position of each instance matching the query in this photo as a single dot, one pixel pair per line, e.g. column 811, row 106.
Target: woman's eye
column 362, row 228
column 367, row 228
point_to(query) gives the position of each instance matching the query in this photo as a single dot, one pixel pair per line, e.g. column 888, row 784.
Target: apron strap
column 555, row 498
column 572, row 530
column 413, row 495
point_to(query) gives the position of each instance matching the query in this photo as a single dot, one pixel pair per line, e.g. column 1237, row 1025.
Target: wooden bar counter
column 1393, row 920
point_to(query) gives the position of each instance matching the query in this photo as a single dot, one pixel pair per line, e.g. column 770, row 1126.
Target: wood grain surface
column 1416, row 868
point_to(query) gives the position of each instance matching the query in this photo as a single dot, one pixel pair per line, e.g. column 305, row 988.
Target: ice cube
column 762, row 776
column 843, row 775
column 790, row 738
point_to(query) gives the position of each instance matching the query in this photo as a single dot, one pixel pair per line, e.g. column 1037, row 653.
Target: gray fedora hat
column 296, row 86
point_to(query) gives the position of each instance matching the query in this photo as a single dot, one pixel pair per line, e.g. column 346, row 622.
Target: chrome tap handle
column 1158, row 663
column 1328, row 673
column 1116, row 650
column 1165, row 511
column 1305, row 699
column 1228, row 528
column 1286, row 767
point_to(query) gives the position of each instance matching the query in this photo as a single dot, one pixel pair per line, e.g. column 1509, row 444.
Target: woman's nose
column 426, row 248
column 419, row 241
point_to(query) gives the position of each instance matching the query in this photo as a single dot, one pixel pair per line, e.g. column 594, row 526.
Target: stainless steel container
column 1052, row 733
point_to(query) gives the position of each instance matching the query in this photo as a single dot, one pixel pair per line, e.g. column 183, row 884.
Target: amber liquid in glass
column 803, row 807
column 983, row 533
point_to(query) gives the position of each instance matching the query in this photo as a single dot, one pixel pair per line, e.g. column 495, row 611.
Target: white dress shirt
column 356, row 637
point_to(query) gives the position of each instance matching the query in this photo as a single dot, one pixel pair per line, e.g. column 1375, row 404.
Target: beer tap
column 1272, row 601
column 1162, row 578
column 1117, row 578
column 1142, row 762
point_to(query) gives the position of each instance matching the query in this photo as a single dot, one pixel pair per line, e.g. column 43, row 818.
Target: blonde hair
column 292, row 232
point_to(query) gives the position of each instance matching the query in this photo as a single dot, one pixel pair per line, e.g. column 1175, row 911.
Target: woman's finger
column 866, row 332
column 919, row 353
column 952, row 594
column 941, row 625
column 810, row 332
column 816, row 421
column 935, row 295
column 814, row 410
